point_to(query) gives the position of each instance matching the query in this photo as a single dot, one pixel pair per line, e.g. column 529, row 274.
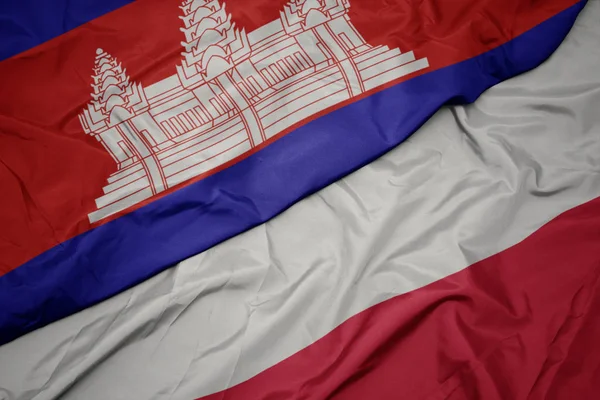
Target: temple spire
column 111, row 85
column 114, row 97
column 299, row 15
column 212, row 42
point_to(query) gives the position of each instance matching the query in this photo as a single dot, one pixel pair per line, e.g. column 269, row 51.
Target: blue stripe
column 27, row 23
column 126, row 251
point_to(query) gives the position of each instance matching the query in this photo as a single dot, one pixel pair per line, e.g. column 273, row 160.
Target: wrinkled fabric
column 498, row 329
column 473, row 181
column 57, row 248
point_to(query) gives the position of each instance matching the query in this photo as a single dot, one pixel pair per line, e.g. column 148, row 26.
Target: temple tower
column 118, row 117
column 114, row 97
column 325, row 25
column 212, row 50
column 212, row 43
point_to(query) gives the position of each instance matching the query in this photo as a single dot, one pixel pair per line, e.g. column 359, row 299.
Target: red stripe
column 521, row 324
column 51, row 172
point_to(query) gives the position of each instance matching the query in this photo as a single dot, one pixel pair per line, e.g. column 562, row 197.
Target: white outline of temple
column 232, row 91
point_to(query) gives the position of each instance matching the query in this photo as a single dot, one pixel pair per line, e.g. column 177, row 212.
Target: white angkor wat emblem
column 232, row 91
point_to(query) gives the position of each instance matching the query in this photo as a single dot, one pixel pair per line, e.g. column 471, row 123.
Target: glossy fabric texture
column 25, row 24
column 98, row 264
column 473, row 181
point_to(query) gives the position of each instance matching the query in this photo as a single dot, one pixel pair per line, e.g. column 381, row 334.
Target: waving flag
column 154, row 132
column 197, row 129
column 306, row 306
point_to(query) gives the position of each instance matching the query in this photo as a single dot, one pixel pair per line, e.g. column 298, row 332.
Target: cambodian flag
column 137, row 137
